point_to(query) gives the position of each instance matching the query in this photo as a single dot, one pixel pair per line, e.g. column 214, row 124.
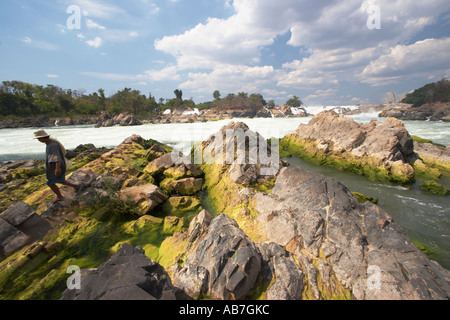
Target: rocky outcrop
column 123, row 119
column 433, row 112
column 244, row 153
column 127, row 275
column 225, row 263
column 434, row 164
column 19, row 226
column 380, row 150
column 324, row 226
column 144, row 197
column 278, row 234
column 321, row 243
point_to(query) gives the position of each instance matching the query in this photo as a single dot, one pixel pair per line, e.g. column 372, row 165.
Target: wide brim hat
column 41, row 134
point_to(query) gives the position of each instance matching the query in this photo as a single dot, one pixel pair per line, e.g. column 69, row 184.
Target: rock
column 224, row 264
column 380, row 150
column 183, row 187
column 123, row 119
column 159, row 165
column 11, row 239
column 127, row 275
column 173, row 224
column 432, row 153
column 20, row 225
column 181, row 205
column 14, row 172
column 198, row 225
column 17, row 213
column 245, row 151
column 434, row 187
column 145, row 197
column 243, row 174
column 288, row 276
column 429, row 111
column 308, row 214
column 155, row 152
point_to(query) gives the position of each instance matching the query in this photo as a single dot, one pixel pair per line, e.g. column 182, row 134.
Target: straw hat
column 41, row 134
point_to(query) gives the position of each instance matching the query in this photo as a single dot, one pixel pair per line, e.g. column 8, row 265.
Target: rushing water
column 424, row 217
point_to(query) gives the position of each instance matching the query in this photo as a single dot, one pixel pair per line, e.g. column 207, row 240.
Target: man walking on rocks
column 55, row 164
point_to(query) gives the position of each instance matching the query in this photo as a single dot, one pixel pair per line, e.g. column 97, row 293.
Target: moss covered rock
column 434, row 187
column 379, row 150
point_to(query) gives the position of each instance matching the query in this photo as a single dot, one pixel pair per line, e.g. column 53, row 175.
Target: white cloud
column 96, row 42
column 326, row 67
column 93, row 25
column 428, row 58
column 165, row 74
column 322, row 94
column 40, row 44
column 168, row 73
column 333, row 41
column 53, row 76
column 274, row 93
column 335, row 33
column 98, row 8
column 235, row 40
column 231, row 78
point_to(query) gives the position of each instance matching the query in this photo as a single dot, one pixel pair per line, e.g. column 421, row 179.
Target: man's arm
column 58, row 171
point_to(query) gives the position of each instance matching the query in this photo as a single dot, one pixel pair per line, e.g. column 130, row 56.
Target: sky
column 326, row 52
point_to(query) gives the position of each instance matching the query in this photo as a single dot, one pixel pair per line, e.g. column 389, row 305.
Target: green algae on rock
column 381, row 151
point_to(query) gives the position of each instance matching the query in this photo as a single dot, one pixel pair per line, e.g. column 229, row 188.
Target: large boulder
column 224, row 263
column 20, row 225
column 244, row 153
column 380, row 150
column 11, row 239
column 145, row 197
column 319, row 221
column 127, row 275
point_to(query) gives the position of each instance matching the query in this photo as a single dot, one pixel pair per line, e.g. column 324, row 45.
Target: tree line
column 21, row 99
column 430, row 93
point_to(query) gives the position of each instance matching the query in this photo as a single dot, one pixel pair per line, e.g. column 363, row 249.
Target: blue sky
column 326, row 52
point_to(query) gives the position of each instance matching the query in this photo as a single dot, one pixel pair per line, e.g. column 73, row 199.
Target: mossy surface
column 363, row 198
column 434, row 188
column 88, row 236
column 372, row 168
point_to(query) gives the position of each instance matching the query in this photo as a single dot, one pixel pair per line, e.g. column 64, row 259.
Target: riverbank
column 183, row 115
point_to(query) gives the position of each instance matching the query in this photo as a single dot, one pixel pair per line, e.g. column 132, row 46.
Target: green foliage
column 294, row 102
column 22, row 99
column 429, row 93
column 240, row 101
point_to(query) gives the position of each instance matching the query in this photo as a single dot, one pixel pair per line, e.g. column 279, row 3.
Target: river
column 424, row 217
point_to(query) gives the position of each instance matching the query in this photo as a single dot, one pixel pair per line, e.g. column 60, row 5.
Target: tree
column 294, row 102
column 178, row 94
column 216, row 95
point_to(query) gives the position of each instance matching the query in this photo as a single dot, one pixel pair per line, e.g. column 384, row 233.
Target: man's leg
column 67, row 183
column 56, row 190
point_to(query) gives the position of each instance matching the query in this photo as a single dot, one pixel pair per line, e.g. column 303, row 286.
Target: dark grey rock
column 224, row 262
column 127, row 275
column 310, row 214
